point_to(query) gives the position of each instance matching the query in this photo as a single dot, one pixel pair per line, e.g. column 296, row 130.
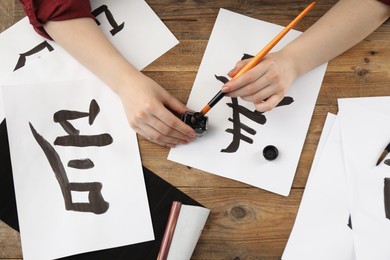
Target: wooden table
column 245, row 222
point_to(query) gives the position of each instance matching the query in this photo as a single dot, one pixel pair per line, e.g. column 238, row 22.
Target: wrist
column 291, row 63
column 126, row 76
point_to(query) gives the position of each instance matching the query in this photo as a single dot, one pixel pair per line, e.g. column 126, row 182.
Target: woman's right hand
column 148, row 108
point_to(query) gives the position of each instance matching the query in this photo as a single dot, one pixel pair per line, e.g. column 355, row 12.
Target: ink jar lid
column 270, row 152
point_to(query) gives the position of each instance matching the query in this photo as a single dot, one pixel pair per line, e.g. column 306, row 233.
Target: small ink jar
column 197, row 121
column 270, row 152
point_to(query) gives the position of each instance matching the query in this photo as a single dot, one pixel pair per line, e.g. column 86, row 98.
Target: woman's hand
column 265, row 84
column 148, row 108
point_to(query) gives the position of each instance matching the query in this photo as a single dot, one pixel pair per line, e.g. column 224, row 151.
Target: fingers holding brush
column 265, row 85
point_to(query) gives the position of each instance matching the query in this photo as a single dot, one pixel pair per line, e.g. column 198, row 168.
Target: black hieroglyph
column 23, row 56
column 96, row 203
column 386, row 194
column 110, row 18
column 45, row 45
column 349, row 224
column 238, row 110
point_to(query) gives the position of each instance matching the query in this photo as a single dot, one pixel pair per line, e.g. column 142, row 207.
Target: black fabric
column 8, row 213
column 161, row 194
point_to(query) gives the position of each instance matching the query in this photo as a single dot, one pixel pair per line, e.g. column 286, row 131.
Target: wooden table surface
column 245, row 222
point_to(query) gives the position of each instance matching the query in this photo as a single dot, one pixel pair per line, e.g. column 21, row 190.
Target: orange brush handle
column 259, row 56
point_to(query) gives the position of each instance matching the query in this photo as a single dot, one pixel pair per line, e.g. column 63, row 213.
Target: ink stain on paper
column 386, row 191
column 23, row 56
column 350, row 222
column 81, row 164
column 84, row 140
column 110, row 18
column 387, row 162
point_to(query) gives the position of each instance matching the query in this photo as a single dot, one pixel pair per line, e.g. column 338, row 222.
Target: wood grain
column 245, row 222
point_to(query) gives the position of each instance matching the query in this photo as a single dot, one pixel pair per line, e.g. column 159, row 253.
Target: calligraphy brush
column 256, row 60
column 384, row 154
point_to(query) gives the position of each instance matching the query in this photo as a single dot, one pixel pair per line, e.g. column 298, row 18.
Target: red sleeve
column 41, row 11
column 385, row 1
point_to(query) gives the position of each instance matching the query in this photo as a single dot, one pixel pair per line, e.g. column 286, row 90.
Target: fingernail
column 225, row 89
column 185, row 141
column 259, row 108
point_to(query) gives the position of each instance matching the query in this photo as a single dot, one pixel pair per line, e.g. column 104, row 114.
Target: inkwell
column 197, row 121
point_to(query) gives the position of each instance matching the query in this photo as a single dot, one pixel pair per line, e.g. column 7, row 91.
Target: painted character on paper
column 386, row 191
column 96, row 203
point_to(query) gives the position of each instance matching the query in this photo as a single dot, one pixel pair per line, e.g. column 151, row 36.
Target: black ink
column 350, row 222
column 242, row 137
column 386, row 191
column 81, row 164
column 285, row 101
column 69, row 128
column 74, row 138
column 84, row 140
column 94, row 110
column 66, row 115
column 197, row 122
column 245, row 127
column 246, row 56
column 255, row 115
column 236, row 130
column 96, row 204
column 222, row 79
column 22, row 57
column 104, row 9
column 387, row 162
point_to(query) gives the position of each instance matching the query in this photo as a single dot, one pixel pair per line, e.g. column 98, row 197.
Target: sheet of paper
column 77, row 171
column 188, row 229
column 321, row 228
column 131, row 26
column 234, row 149
column 365, row 127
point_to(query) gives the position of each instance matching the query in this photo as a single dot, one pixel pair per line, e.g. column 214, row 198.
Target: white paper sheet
column 142, row 40
column 365, row 128
column 47, row 229
column 321, row 228
column 285, row 127
column 188, row 229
